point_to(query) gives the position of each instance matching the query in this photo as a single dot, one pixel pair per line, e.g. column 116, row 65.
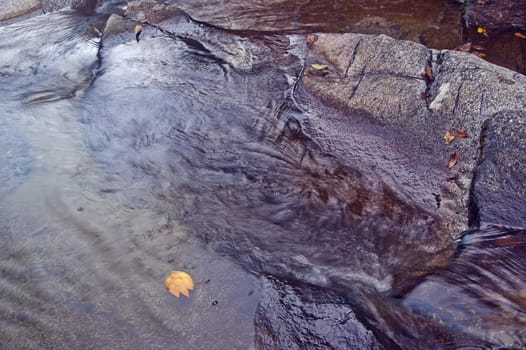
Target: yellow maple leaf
column 179, row 282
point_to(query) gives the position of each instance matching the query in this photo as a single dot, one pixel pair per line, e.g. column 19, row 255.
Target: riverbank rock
column 151, row 11
column 497, row 14
column 15, row 8
column 387, row 81
column 498, row 188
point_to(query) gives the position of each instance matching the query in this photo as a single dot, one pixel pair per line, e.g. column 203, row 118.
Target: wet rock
column 497, row 14
column 152, row 11
column 85, row 6
column 439, row 39
column 15, row 8
column 493, row 258
column 364, row 198
column 10, row 9
column 498, row 191
column 377, row 25
column 284, row 321
column 114, row 25
column 383, row 78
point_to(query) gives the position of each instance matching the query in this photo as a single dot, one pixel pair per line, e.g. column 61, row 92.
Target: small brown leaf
column 311, row 38
column 137, row 30
column 459, row 133
column 452, row 161
column 520, row 35
column 480, row 54
column 448, row 137
column 179, row 282
column 429, row 72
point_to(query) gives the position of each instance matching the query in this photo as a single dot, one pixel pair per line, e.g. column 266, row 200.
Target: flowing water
column 196, row 150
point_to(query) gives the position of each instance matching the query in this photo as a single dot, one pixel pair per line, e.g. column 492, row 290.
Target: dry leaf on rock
column 459, row 133
column 319, row 66
column 179, row 282
column 429, row 73
column 448, row 137
column 520, row 35
column 311, row 38
column 137, row 30
column 452, row 161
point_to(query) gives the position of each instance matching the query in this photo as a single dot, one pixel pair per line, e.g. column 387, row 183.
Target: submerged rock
column 285, row 321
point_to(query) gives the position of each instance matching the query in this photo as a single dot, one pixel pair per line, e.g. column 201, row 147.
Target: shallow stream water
column 195, row 150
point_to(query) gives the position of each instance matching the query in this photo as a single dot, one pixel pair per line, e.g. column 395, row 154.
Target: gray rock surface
column 384, row 79
column 10, row 9
column 498, row 189
column 15, row 8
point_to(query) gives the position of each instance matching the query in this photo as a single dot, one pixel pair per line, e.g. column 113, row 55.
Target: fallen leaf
column 179, row 282
column 448, row 137
column 452, row 161
column 459, row 133
column 481, row 30
column 480, row 54
column 311, row 38
column 429, row 72
column 318, row 66
column 137, row 30
column 520, row 35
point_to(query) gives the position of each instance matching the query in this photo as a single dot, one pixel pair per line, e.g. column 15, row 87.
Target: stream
column 196, row 149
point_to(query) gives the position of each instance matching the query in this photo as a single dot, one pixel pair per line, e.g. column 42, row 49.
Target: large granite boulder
column 386, row 80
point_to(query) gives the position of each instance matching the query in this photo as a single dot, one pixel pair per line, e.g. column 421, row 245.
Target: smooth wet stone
column 309, row 325
column 15, row 8
column 497, row 14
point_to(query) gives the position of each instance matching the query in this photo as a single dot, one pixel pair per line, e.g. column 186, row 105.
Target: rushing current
column 196, row 149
